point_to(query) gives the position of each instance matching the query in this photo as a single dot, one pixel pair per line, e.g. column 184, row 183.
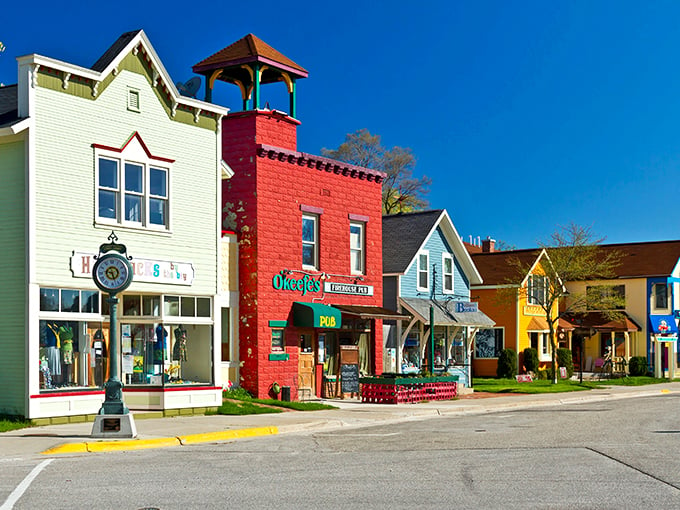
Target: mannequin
column 159, row 348
column 53, row 357
column 65, row 336
column 179, row 351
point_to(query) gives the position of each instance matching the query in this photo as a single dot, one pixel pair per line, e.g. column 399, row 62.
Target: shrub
column 507, row 364
column 564, row 359
column 637, row 366
column 530, row 356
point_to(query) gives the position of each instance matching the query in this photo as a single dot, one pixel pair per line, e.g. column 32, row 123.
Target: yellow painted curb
column 225, row 435
column 67, row 448
column 134, row 444
column 142, row 444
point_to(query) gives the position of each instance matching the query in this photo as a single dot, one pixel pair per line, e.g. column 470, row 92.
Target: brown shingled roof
column 496, row 269
column 646, row 259
column 248, row 49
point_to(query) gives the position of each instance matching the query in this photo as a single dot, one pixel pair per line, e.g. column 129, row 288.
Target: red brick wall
column 270, row 228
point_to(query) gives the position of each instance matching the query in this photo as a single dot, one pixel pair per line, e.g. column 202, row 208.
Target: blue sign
column 466, row 307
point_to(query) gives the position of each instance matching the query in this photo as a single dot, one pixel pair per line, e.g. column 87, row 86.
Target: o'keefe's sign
column 144, row 270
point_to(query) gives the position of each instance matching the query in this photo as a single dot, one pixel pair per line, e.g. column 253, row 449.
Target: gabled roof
column 135, row 41
column 246, row 50
column 659, row 258
column 405, row 234
column 115, row 49
column 496, row 269
column 8, row 105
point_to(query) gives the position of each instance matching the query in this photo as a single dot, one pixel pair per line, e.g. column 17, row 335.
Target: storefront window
column 73, row 354
column 411, row 355
column 74, row 348
column 163, row 354
column 488, row 343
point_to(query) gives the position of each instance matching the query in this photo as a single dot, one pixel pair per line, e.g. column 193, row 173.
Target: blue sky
column 526, row 114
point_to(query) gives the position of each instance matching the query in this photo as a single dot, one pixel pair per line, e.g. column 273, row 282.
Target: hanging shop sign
column 143, row 270
column 348, row 288
column 466, row 307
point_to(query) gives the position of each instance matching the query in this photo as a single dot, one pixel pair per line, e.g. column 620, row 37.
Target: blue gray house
column 428, row 272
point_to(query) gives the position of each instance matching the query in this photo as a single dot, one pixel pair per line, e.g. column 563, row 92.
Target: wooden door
column 306, row 386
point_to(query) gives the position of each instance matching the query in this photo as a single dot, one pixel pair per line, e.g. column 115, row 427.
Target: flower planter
column 402, row 390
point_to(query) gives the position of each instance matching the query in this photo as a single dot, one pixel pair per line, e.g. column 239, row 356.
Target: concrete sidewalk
column 74, row 438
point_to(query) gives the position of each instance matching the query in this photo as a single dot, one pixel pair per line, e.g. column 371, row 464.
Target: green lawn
column 8, row 423
column 239, row 401
column 543, row 386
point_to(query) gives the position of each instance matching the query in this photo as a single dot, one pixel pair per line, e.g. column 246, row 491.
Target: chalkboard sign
column 349, row 378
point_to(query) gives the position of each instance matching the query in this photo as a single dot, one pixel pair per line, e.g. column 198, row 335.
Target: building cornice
column 320, row 163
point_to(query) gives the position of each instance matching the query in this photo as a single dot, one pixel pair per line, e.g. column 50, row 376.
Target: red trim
column 141, row 142
column 157, row 389
column 68, row 394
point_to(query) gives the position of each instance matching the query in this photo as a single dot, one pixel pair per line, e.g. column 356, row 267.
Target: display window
column 160, row 354
column 410, row 359
column 156, row 347
column 73, row 354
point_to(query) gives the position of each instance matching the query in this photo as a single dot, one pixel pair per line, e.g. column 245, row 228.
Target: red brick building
column 310, row 239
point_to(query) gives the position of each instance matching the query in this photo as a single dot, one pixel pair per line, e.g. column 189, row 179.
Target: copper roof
column 538, row 324
column 496, row 267
column 249, row 49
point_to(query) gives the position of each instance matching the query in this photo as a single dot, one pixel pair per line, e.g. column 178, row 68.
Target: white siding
column 65, row 128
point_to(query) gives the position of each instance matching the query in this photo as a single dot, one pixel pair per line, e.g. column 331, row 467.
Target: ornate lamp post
column 112, row 273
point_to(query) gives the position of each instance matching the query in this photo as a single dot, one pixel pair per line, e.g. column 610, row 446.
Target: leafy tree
column 573, row 254
column 401, row 191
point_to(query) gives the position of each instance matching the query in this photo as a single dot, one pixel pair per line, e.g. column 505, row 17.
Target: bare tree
column 573, row 254
column 401, row 191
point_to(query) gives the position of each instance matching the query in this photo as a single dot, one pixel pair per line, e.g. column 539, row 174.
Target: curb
column 163, row 442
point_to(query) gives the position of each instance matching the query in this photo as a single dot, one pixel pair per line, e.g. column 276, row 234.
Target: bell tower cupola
column 250, row 63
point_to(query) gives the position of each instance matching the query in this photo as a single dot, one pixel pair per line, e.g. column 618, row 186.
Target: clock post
column 112, row 273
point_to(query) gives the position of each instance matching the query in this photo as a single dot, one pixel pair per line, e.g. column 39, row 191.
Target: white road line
column 21, row 488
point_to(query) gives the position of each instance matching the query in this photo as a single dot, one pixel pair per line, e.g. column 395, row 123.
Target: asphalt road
column 617, row 454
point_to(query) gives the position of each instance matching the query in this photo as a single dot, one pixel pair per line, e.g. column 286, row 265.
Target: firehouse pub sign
column 285, row 281
column 144, row 270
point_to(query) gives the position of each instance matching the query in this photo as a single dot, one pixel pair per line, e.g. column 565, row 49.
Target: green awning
column 316, row 315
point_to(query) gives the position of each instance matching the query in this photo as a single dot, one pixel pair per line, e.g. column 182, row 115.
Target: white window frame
column 420, row 270
column 147, row 165
column 361, row 249
column 314, row 243
column 531, row 285
column 668, row 298
column 445, row 257
column 543, row 345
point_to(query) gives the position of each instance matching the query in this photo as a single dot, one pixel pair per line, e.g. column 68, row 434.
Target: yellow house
column 513, row 299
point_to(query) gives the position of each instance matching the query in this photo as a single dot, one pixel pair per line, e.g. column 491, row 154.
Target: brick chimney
column 488, row 245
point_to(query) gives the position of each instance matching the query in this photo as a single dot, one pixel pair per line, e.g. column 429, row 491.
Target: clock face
column 112, row 273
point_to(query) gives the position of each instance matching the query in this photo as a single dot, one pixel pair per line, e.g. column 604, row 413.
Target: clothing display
column 65, row 337
column 179, row 351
